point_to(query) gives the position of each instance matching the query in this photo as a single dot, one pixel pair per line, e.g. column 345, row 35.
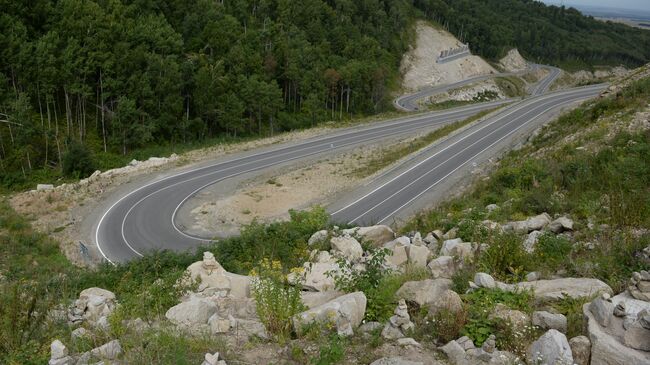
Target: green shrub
column 77, row 161
column 332, row 352
column 505, row 258
column 277, row 300
column 552, row 252
column 281, row 241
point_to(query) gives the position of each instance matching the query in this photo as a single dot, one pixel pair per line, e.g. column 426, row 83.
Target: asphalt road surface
column 383, row 202
column 144, row 219
column 409, row 102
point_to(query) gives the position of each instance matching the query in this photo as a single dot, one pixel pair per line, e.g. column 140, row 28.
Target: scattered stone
column 370, row 327
column 416, row 240
column 619, row 310
column 190, row 314
column 399, row 255
column 347, row 247
column 455, row 353
column 58, row 350
column 437, row 234
column 581, row 350
column 79, row 333
column 345, row 313
column 491, row 208
column 395, row 361
column 531, row 241
column 560, row 225
column 533, row 276
column 317, row 237
column 423, row 292
column 517, row 319
column 41, row 187
column 484, row 280
column 442, row 267
column 546, row 321
column 451, row 234
column 408, row 341
column 576, row 288
column 377, row 235
column 550, row 349
column 213, row 359
column 314, row 276
column 108, row 351
column 466, row 343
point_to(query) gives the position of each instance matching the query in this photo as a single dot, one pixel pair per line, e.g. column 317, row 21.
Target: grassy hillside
column 546, row 34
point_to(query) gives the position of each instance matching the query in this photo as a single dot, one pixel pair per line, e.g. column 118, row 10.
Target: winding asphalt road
column 408, row 102
column 145, row 218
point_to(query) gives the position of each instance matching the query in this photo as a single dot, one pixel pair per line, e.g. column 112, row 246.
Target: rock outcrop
column 345, row 313
column 577, row 288
column 94, row 306
column 552, row 348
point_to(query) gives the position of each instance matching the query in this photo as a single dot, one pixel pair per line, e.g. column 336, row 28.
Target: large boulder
column 193, row 313
column 546, row 321
column 418, row 256
column 318, row 237
column 456, row 247
column 376, row 235
column 314, row 299
column 536, row 223
column 347, row 247
column 442, row 267
column 448, row 301
column 215, row 280
column 484, row 280
column 517, row 319
column 94, row 305
column 399, row 251
column 345, row 313
column 423, row 292
column 560, row 225
column 552, row 348
column 59, row 354
column 576, row 288
column 108, row 351
column 608, row 343
column 314, row 276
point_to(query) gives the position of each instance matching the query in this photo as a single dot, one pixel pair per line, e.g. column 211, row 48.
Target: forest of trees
column 547, row 34
column 84, row 80
column 116, row 75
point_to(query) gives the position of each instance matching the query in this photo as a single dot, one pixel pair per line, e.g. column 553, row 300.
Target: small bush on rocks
column 277, row 300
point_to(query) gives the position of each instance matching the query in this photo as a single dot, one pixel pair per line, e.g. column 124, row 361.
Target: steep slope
column 419, row 67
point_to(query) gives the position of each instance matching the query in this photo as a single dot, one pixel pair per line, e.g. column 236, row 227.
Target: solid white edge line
column 473, row 157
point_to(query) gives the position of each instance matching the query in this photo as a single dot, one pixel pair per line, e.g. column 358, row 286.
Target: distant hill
column 547, row 34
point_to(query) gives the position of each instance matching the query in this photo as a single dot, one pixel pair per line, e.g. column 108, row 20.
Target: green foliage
column 546, row 34
column 77, row 161
column 480, row 304
column 331, row 352
column 572, row 309
column 349, row 278
column 277, row 300
column 282, row 241
column 448, row 325
column 121, row 77
column 552, row 252
column 505, row 258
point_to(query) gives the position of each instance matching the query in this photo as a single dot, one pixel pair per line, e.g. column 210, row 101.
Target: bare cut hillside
column 419, row 67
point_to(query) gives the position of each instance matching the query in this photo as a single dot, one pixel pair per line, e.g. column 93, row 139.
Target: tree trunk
column 101, row 88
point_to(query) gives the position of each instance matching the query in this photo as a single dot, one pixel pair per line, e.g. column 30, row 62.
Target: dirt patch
column 268, row 198
column 419, row 67
column 513, row 62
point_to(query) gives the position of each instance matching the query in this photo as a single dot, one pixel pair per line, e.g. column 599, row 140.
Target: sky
column 617, row 4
